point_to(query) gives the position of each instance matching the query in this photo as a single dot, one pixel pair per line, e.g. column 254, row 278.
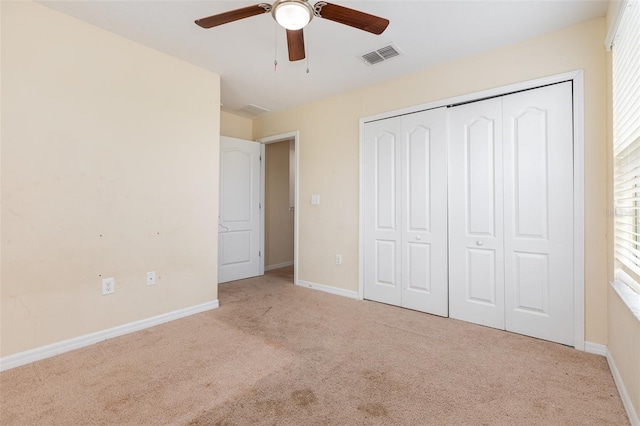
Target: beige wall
column 329, row 150
column 109, row 169
column 624, row 346
column 235, row 126
column 278, row 238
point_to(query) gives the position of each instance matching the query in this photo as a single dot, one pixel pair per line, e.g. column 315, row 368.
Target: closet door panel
column 538, row 169
column 418, row 277
column 424, row 212
column 480, row 167
column 382, row 197
column 476, row 255
column 481, row 276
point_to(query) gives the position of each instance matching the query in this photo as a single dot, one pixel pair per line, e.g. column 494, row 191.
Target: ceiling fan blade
column 295, row 41
column 233, row 15
column 353, row 18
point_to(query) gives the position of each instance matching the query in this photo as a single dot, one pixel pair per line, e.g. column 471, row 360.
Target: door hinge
column 259, row 205
column 259, row 253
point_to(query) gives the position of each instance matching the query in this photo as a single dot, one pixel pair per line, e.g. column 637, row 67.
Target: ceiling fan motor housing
column 292, row 14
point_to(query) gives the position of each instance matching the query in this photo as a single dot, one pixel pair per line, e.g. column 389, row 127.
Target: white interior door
column 382, row 198
column 424, row 212
column 538, row 215
column 476, row 248
column 239, row 220
column 405, row 202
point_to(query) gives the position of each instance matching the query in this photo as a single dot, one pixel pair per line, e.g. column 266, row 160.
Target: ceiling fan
column 294, row 15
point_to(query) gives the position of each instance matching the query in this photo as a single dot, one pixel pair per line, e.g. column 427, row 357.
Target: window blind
column 626, row 142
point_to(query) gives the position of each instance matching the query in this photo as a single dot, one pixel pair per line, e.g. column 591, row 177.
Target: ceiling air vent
column 383, row 54
column 253, row 110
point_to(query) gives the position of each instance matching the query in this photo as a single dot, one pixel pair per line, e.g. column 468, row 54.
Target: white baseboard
column 278, row 265
column 329, row 289
column 63, row 346
column 622, row 390
column 595, row 348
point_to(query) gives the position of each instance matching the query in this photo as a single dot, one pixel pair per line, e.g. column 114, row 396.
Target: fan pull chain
column 275, row 47
column 307, row 48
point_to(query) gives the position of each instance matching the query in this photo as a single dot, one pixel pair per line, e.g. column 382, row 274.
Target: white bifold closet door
column 476, row 249
column 405, row 211
column 511, row 213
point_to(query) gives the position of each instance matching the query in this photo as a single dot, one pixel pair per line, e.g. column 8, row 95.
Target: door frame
column 281, row 137
column 577, row 78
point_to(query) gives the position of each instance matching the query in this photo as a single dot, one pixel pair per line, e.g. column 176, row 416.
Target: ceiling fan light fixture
column 292, row 14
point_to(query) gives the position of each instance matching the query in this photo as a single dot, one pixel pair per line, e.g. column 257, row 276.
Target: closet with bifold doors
column 468, row 212
column 511, row 212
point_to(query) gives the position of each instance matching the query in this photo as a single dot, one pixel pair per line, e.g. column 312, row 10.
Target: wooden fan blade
column 354, row 18
column 295, row 41
column 232, row 15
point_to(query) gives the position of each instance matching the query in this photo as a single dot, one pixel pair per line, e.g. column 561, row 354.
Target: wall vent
column 253, row 110
column 380, row 55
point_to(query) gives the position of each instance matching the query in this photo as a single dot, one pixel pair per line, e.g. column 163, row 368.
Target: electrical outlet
column 151, row 278
column 338, row 259
column 108, row 286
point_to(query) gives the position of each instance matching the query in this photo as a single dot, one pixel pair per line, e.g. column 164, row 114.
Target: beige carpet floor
column 277, row 354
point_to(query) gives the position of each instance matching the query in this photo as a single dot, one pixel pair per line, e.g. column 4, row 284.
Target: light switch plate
column 315, row 199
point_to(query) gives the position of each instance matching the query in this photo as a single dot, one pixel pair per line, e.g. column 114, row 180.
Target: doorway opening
column 279, row 198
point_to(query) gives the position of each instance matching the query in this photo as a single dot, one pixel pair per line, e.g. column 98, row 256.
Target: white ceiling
column 428, row 32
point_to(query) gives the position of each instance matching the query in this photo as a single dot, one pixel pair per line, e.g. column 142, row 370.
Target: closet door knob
column 418, row 237
column 479, row 243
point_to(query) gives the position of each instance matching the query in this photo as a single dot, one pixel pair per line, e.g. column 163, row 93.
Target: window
column 626, row 143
